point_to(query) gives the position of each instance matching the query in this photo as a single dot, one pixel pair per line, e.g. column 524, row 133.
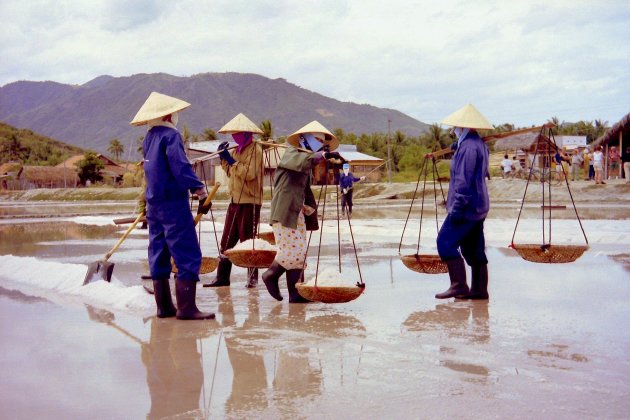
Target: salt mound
column 255, row 244
column 330, row 277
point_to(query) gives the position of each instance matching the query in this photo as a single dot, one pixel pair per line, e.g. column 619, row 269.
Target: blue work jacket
column 468, row 192
column 169, row 174
column 346, row 181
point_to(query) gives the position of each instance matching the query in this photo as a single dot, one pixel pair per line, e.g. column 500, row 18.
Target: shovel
column 208, row 264
column 103, row 269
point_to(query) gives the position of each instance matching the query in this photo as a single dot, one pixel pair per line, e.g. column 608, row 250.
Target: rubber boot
column 163, row 299
column 293, row 277
column 252, row 278
column 186, row 293
column 223, row 273
column 457, row 274
column 271, row 277
column 478, row 284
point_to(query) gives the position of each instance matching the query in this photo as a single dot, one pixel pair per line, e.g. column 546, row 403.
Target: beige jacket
column 246, row 175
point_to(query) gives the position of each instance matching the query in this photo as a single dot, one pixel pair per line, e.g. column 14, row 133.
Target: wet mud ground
column 551, row 342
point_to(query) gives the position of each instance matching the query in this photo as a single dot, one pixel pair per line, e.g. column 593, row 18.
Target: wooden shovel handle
column 122, row 238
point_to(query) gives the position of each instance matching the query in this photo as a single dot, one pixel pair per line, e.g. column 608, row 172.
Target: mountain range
column 92, row 114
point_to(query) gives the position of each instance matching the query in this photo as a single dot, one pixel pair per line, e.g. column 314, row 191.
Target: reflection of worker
column 173, row 363
column 249, row 383
column 293, row 207
column 467, row 205
column 346, row 183
column 170, row 179
column 174, row 369
column 455, row 319
column 245, row 172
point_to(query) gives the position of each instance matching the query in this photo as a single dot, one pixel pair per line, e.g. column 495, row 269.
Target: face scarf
column 309, row 142
column 242, row 139
column 461, row 133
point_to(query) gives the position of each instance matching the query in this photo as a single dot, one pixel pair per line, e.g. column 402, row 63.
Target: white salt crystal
column 329, row 277
column 257, row 244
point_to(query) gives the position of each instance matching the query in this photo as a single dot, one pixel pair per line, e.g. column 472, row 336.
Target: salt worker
column 293, row 206
column 170, row 180
column 467, row 205
column 244, row 169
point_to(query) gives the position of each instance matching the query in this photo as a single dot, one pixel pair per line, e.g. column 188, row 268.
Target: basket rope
column 551, row 144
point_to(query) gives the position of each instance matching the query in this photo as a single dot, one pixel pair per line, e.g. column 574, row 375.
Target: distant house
column 112, row 171
column 531, row 148
column 619, row 136
column 15, row 176
column 210, row 169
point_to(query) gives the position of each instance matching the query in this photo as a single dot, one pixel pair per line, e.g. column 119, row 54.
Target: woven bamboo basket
column 422, row 263
column 267, row 236
column 550, row 254
column 208, row 265
column 251, row 258
column 330, row 294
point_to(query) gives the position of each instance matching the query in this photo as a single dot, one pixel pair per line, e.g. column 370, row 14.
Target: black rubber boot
column 293, row 277
column 457, row 274
column 252, row 278
column 223, row 273
column 163, row 299
column 271, row 277
column 186, row 293
column 478, row 284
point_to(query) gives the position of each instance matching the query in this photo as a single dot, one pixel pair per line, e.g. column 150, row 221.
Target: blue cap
column 346, row 166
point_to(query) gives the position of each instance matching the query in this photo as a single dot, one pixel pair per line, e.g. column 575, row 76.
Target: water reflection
column 464, row 320
column 173, row 361
column 245, row 353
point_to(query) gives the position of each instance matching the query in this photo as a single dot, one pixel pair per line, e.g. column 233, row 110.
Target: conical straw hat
column 316, row 128
column 240, row 124
column 158, row 105
column 468, row 117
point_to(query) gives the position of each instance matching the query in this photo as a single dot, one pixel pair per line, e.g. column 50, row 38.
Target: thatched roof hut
column 528, row 143
column 618, row 134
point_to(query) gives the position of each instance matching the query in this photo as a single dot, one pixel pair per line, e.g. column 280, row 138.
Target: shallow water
column 548, row 343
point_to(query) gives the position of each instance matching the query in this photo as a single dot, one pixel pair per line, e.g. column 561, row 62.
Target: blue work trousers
column 464, row 235
column 172, row 234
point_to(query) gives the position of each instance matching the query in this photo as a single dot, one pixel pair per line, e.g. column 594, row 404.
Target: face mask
column 174, row 118
column 309, row 142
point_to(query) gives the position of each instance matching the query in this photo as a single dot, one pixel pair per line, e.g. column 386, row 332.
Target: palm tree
column 209, row 134
column 116, row 148
column 437, row 136
column 267, row 130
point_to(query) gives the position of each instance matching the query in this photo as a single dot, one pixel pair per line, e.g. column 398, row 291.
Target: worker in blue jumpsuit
column 467, row 205
column 346, row 183
column 169, row 181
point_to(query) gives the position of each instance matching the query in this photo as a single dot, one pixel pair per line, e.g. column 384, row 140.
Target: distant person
column 588, row 157
column 244, row 169
column 346, row 183
column 613, row 163
column 170, row 180
column 626, row 164
column 576, row 164
column 467, row 205
column 559, row 158
column 598, row 165
column 506, row 164
column 517, row 169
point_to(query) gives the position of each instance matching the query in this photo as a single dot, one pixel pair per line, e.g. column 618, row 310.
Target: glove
column 334, row 157
column 362, row 178
column 224, row 153
column 203, row 208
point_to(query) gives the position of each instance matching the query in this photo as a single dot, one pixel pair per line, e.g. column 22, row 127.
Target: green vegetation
column 89, row 168
column 32, row 149
column 116, row 148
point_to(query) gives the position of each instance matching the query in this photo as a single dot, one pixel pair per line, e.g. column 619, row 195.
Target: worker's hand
column 362, row 178
column 204, row 208
column 224, row 153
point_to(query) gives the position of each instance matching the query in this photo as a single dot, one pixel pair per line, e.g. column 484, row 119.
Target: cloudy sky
column 517, row 61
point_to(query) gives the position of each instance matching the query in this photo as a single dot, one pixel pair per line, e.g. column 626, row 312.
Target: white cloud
column 518, row 61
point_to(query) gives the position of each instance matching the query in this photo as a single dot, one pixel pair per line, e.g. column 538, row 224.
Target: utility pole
column 389, row 151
